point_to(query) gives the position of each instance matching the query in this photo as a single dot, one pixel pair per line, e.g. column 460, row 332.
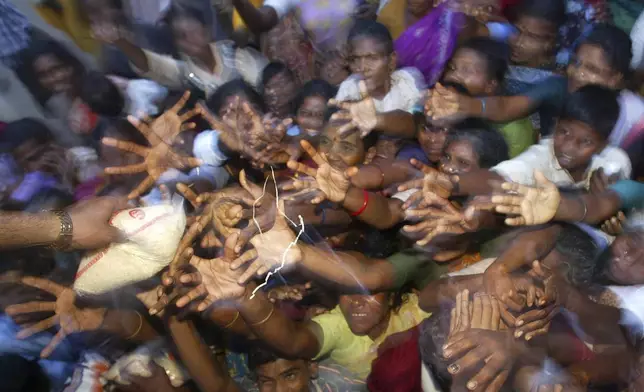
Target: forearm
column 379, row 212
column 531, row 244
column 197, row 358
column 446, row 289
column 478, row 182
column 258, row 20
column 21, row 229
column 311, row 215
column 135, row 54
column 588, row 208
column 397, row 123
column 282, row 334
column 500, row 109
column 346, row 270
column 229, row 319
column 130, row 325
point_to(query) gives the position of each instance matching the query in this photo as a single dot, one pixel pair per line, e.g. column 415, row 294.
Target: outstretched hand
column 91, row 222
column 67, row 314
column 439, row 216
column 160, row 156
column 360, row 114
column 325, row 182
column 528, row 205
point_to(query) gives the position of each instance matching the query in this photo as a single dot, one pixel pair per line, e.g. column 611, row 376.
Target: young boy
column 578, row 147
column 480, row 66
column 603, row 58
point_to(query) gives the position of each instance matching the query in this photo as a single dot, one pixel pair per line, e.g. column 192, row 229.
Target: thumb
column 251, row 187
column 352, row 171
column 540, row 179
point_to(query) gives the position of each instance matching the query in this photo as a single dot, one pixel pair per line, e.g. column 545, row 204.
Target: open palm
column 531, row 205
column 361, row 114
column 331, row 182
column 67, row 314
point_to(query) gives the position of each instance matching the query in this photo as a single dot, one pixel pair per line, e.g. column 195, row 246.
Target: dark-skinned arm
column 446, row 289
column 346, row 269
column 311, row 215
column 259, row 20
column 205, row 370
column 381, row 174
column 285, row 336
column 397, row 123
column 477, row 182
column 590, row 208
column 380, row 212
column 129, row 324
column 135, row 54
column 498, row 109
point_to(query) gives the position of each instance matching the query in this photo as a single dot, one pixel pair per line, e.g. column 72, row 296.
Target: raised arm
column 258, row 20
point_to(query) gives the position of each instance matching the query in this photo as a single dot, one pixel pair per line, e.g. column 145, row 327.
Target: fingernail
column 528, row 337
column 453, row 368
column 447, row 353
column 153, row 312
column 518, row 334
column 519, row 323
column 472, row 385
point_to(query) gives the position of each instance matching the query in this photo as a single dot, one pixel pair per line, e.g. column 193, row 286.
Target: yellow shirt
column 70, row 21
column 238, row 22
column 357, row 352
column 393, row 16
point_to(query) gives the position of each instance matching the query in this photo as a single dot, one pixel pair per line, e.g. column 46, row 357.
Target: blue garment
column 60, row 364
column 14, row 32
column 631, row 193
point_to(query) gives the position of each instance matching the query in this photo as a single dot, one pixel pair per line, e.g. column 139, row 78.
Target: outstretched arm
column 258, row 20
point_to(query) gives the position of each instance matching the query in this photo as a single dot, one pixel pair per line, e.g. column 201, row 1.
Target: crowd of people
column 372, row 195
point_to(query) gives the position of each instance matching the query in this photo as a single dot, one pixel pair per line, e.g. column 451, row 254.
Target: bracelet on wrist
column 364, row 204
column 64, row 240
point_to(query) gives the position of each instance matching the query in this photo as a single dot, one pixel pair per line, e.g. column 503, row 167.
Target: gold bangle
column 265, row 319
column 230, row 324
column 64, row 240
column 138, row 329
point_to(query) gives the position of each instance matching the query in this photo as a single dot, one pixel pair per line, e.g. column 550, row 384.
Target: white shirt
column 541, row 157
column 407, row 89
column 637, row 36
column 631, row 112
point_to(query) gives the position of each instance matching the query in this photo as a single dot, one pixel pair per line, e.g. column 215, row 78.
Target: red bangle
column 364, row 205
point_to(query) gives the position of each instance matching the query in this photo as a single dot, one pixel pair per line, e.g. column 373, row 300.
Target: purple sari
column 429, row 43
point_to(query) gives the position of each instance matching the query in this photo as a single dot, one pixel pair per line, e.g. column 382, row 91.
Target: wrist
column 51, row 228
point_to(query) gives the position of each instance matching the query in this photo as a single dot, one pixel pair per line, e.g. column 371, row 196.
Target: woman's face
column 533, row 42
column 469, row 69
column 626, row 265
column 53, row 74
column 279, row 93
column 310, row 115
column 590, row 66
column 432, row 141
column 191, row 37
column 334, row 70
column 365, row 312
column 341, row 151
column 459, row 158
column 369, row 59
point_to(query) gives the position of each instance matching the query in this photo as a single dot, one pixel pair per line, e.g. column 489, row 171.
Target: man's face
column 590, row 66
column 469, row 69
column 575, row 143
column 286, row 376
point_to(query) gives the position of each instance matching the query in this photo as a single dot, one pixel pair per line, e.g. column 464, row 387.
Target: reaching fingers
column 189, row 194
column 302, row 168
column 188, row 115
column 312, row 152
column 30, row 307
column 141, row 188
column 493, row 367
column 126, row 146
column 192, row 295
column 38, row 327
column 43, row 284
column 498, row 382
column 177, row 107
column 184, row 250
column 251, row 272
column 129, row 169
column 55, row 341
column 243, row 259
column 506, row 316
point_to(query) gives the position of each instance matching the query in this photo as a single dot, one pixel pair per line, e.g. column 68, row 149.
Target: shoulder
column 409, row 77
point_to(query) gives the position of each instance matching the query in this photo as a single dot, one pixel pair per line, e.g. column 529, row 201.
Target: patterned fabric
column 580, row 17
column 14, row 32
column 415, row 48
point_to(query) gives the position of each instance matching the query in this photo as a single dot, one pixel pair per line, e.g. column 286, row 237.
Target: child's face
column 53, row 74
column 432, row 141
column 626, row 264
column 285, row 375
column 341, row 151
column 590, row 66
column 575, row 143
column 459, row 158
column 534, row 41
column 310, row 115
column 279, row 92
column 469, row 69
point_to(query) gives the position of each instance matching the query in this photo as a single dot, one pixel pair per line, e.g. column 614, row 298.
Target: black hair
column 183, row 10
column 495, row 54
column 315, row 87
column 20, row 131
column 273, row 69
column 615, row 43
column 372, row 29
column 594, row 105
column 259, row 356
column 39, row 47
column 553, row 11
column 101, row 95
column 235, row 87
column 488, row 144
column 579, row 252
